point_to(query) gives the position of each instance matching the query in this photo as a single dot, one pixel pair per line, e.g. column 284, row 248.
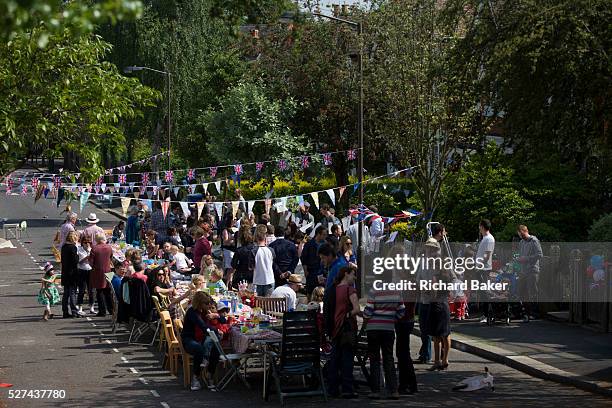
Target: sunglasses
column 349, row 243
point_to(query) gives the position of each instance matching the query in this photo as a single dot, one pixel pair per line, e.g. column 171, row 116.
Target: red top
column 343, row 306
column 201, row 248
column 100, row 261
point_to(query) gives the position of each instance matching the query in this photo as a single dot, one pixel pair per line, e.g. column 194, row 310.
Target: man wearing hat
column 93, row 229
column 289, row 290
column 303, row 217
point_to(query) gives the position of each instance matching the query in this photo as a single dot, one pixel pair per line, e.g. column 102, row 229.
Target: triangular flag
column 281, row 206
column 205, row 187
column 176, row 190
column 235, row 206
column 185, row 208
column 125, row 204
column 165, row 205
column 332, row 195
column 162, row 193
column 249, row 206
column 315, row 198
column 341, row 191
column 218, row 186
column 267, row 204
column 219, row 209
column 149, row 194
column 83, row 200
column 200, row 205
column 131, row 184
column 355, row 188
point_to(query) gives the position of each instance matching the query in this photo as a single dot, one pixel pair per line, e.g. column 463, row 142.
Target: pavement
column 96, row 368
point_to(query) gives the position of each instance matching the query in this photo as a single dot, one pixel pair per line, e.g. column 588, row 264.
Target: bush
column 542, row 231
column 601, row 230
column 385, row 204
column 405, row 230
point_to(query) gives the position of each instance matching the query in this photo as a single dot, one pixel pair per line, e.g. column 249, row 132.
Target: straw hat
column 293, row 278
column 92, row 218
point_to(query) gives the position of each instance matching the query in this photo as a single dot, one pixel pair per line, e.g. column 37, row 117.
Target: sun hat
column 293, row 278
column 221, row 306
column 48, row 267
column 92, row 218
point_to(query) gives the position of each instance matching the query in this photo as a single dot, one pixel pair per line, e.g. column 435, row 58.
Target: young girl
column 48, row 294
column 207, row 267
column 215, row 280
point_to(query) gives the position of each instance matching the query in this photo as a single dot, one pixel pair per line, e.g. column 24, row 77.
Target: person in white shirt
column 289, row 290
column 263, row 275
column 376, row 226
column 83, row 251
column 484, row 258
column 181, row 262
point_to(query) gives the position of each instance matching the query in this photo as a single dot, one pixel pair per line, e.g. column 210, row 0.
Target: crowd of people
column 272, row 259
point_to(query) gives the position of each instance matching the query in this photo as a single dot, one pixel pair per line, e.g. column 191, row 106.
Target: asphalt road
column 97, row 369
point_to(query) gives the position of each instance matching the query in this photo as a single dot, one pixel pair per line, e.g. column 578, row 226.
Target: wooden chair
column 186, row 358
column 272, row 306
column 173, row 350
column 299, row 356
column 159, row 308
column 181, row 308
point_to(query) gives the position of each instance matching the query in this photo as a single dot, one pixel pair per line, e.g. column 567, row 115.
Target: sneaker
column 204, row 363
column 81, row 313
column 195, row 384
column 483, row 319
column 92, row 310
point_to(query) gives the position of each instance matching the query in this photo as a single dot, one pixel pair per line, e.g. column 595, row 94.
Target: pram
column 504, row 306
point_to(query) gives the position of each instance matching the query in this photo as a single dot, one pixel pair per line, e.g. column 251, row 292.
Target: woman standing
column 346, row 250
column 340, row 307
column 132, row 229
column 100, row 261
column 70, row 275
column 84, row 267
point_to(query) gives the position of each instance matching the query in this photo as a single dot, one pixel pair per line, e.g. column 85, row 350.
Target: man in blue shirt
column 286, row 257
column 311, row 261
column 333, row 262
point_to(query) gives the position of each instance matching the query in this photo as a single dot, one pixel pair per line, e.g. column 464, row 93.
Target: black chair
column 361, row 353
column 300, row 356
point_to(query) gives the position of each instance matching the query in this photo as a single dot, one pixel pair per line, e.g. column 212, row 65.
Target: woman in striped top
column 384, row 308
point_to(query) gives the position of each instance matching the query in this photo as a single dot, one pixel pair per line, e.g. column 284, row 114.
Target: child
column 223, row 323
column 216, row 280
column 207, row 266
column 317, row 297
column 181, row 262
column 119, row 231
column 48, row 294
column 210, row 315
column 150, row 244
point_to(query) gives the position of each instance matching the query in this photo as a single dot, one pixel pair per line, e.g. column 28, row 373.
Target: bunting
column 24, row 189
column 213, row 172
column 191, row 174
column 125, row 204
column 9, row 185
column 34, row 183
column 145, row 179
column 351, row 155
column 327, row 159
column 185, row 208
column 331, row 195
column 83, row 200
column 259, row 167
column 282, row 165
column 315, row 198
column 305, row 162
column 238, row 169
column 200, row 205
column 165, row 205
column 169, row 176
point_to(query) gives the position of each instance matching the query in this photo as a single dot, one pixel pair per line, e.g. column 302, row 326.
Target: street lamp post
column 131, row 69
column 359, row 27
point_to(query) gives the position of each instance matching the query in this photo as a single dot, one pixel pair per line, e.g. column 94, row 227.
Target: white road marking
column 88, row 319
column 125, row 360
column 108, row 341
column 115, row 350
column 100, row 331
column 133, row 370
column 155, row 393
column 94, row 325
column 4, row 286
column 164, row 404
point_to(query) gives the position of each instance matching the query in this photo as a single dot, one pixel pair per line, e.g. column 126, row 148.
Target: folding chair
column 299, row 355
column 361, row 353
column 228, row 358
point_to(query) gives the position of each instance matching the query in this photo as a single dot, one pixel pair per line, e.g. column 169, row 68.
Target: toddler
column 48, row 294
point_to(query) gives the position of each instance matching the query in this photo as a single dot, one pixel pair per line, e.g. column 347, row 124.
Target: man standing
column 303, row 217
column 67, row 227
column 327, row 219
column 93, row 230
column 286, row 256
column 159, row 223
column 377, row 227
column 289, row 290
column 530, row 253
column 484, row 256
column 310, row 259
column 264, row 273
column 332, row 262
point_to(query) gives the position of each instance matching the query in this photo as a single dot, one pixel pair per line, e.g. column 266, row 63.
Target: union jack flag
column 191, row 173
column 327, row 159
column 122, row 179
column 213, row 172
column 259, row 166
column 34, row 183
column 169, row 176
column 238, row 169
column 192, row 188
column 282, row 165
column 305, row 162
column 57, row 182
column 24, row 189
column 97, row 189
column 145, row 179
column 351, row 155
column 99, row 180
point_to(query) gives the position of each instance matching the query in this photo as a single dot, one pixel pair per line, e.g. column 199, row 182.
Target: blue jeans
column 264, row 290
column 425, row 351
column 197, row 350
column 341, row 362
column 208, row 345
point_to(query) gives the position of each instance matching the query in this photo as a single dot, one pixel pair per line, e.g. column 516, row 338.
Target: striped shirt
column 383, row 309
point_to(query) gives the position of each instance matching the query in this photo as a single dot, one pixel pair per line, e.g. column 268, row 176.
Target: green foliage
column 483, row 188
column 63, row 97
column 405, row 230
column 250, row 127
column 601, row 230
column 20, row 17
column 236, row 12
column 543, row 231
column 385, row 203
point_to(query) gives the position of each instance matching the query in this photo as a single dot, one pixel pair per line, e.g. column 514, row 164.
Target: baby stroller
column 504, row 306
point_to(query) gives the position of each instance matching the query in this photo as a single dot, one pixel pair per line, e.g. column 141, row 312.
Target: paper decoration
column 200, row 205
column 315, row 198
column 132, row 184
column 249, row 206
column 305, row 161
column 267, row 205
column 351, row 155
column 169, row 176
column 281, row 205
column 192, row 188
column 218, row 186
column 165, row 205
column 83, row 200
column 34, row 183
column 185, row 208
column 125, row 204
column 392, row 237
column 331, row 195
column 282, row 165
column 259, row 166
column 24, row 189
column 145, row 179
column 238, row 169
column 175, row 190
column 219, row 209
column 327, row 159
column 191, row 174
column 235, row 206
column 205, row 187
column 213, row 172
column 341, row 191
